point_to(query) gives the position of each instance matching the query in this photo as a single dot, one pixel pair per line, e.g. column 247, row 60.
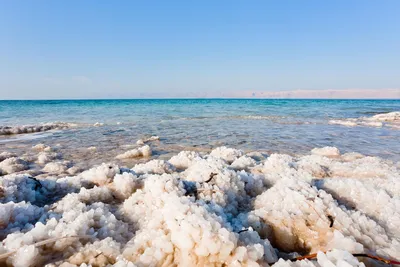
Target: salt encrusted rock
column 211, row 214
column 257, row 156
column 42, row 147
column 25, row 256
column 46, row 157
column 154, row 167
column 184, row 159
column 332, row 258
column 201, row 169
column 146, row 140
column 14, row 164
column 243, row 163
column 74, row 170
column 55, row 167
column 15, row 216
column 144, row 151
column 391, row 116
column 174, row 229
column 347, row 122
column 5, row 155
column 102, row 174
column 352, row 156
column 8, row 130
column 100, row 253
column 21, row 187
column 125, row 184
column 227, row 154
column 327, row 151
column 391, row 119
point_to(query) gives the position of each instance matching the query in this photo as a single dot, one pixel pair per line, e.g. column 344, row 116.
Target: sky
column 127, row 49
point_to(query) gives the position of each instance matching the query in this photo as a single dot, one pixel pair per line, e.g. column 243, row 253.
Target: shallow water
column 219, row 207
column 285, row 126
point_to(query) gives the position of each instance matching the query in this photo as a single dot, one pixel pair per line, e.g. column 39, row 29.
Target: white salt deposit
column 391, row 116
column 45, row 157
column 9, row 130
column 391, row 119
column 345, row 122
column 154, row 167
column 55, row 167
column 219, row 209
column 227, row 154
column 13, row 164
column 144, row 151
column 141, row 142
column 243, row 163
column 326, row 151
column 184, row 159
column 5, row 155
column 42, row 147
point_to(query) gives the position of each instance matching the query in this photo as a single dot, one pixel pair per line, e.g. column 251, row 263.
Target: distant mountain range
column 307, row 94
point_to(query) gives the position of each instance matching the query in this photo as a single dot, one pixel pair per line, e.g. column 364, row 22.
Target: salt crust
column 9, row 130
column 391, row 119
column 144, row 151
column 146, row 140
column 222, row 208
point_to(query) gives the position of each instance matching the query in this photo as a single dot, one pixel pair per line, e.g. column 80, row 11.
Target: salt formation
column 146, row 140
column 8, row 130
column 154, row 167
column 5, row 155
column 144, row 151
column 391, row 119
column 55, row 167
column 224, row 208
column 13, row 164
column 243, row 163
column 326, row 151
column 227, row 154
column 184, row 159
column 42, row 147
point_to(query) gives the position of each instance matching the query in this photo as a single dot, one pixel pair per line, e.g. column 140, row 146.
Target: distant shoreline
column 329, row 94
column 197, row 98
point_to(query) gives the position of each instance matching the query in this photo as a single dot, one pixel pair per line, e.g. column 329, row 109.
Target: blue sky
column 97, row 49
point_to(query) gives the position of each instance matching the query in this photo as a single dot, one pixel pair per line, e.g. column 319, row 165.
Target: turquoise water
column 287, row 126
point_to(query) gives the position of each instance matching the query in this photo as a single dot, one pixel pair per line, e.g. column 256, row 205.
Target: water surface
column 273, row 126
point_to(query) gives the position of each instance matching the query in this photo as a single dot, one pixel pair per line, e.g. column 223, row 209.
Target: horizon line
column 196, row 98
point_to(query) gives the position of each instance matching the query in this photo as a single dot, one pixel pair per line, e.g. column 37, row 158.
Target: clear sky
column 100, row 49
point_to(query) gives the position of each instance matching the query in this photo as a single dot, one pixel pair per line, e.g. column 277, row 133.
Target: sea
column 288, row 126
